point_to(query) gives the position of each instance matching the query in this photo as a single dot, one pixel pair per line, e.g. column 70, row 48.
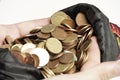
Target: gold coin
column 53, row 63
column 48, row 28
column 54, row 45
column 73, row 51
column 36, row 60
column 49, row 71
column 43, row 35
column 71, row 71
column 71, row 45
column 66, row 58
column 55, row 56
column 41, row 45
column 71, row 38
column 81, row 19
column 62, row 68
column 59, row 33
column 58, row 17
column 68, row 23
column 44, row 74
column 85, row 46
column 16, row 47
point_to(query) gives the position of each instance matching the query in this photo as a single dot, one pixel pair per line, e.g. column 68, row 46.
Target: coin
column 71, row 38
column 36, row 60
column 48, row 28
column 49, row 71
column 71, row 71
column 86, row 45
column 55, row 56
column 58, row 17
column 27, row 59
column 43, row 35
column 53, row 63
column 68, row 23
column 41, row 45
column 42, row 54
column 16, row 47
column 27, row 40
column 17, row 55
column 81, row 19
column 33, row 31
column 59, row 33
column 54, row 45
column 66, row 58
column 27, row 46
column 62, row 68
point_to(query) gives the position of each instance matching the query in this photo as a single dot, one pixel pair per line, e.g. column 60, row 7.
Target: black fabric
column 11, row 69
column 100, row 23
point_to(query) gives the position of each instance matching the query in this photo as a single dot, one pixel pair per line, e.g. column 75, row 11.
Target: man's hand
column 93, row 69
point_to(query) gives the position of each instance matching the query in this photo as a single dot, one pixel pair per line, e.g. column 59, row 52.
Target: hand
column 93, row 69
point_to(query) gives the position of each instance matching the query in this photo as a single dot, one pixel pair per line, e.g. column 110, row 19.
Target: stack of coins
column 57, row 48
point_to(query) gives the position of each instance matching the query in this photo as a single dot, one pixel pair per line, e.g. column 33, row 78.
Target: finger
column 94, row 55
column 104, row 71
column 26, row 26
column 20, row 29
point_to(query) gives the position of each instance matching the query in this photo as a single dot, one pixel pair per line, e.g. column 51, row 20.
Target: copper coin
column 17, row 55
column 33, row 31
column 86, row 45
column 27, row 58
column 68, row 23
column 53, row 64
column 43, row 35
column 59, row 33
column 36, row 60
column 66, row 58
column 55, row 56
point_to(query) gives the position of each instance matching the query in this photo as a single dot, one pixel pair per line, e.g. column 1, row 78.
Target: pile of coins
column 57, row 48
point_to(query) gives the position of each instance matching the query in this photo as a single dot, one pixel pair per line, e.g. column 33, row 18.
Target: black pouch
column 11, row 69
column 106, row 40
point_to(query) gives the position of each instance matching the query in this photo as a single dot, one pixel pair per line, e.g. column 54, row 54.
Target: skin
column 93, row 69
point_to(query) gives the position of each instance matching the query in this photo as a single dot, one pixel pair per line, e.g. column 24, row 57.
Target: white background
column 14, row 11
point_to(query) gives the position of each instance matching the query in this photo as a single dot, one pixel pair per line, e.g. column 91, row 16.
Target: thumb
column 106, row 70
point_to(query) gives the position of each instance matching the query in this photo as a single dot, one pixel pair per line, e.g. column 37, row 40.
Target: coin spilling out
column 60, row 47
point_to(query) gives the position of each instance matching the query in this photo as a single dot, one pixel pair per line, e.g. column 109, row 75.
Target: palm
column 90, row 68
